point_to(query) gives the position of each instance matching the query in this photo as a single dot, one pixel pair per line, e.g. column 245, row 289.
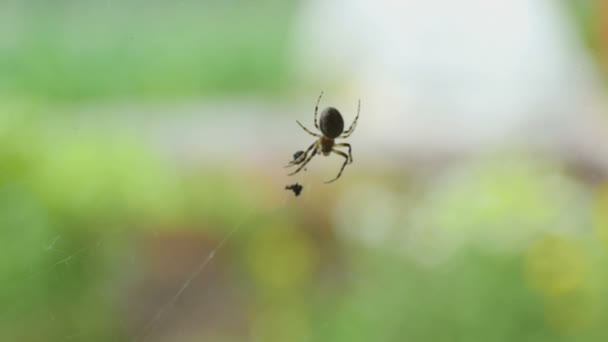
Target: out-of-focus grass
column 70, row 204
column 586, row 15
column 506, row 249
column 84, row 50
column 500, row 250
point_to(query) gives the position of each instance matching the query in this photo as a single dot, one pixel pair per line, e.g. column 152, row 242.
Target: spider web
column 193, row 275
column 65, row 257
column 202, row 265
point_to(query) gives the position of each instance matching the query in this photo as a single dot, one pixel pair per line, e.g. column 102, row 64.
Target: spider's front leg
column 317, row 109
column 314, row 153
column 350, row 154
column 308, row 131
column 352, row 127
column 343, row 165
column 301, row 157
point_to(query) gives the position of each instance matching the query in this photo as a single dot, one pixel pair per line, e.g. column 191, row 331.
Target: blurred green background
column 114, row 229
column 74, row 51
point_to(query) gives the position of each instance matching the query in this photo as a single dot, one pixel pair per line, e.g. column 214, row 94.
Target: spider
column 332, row 127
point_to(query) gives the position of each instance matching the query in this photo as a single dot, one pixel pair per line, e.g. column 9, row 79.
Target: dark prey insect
column 297, row 155
column 331, row 126
column 296, row 188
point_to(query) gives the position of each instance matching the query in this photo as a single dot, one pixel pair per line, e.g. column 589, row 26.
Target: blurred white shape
column 368, row 213
column 499, row 206
column 454, row 75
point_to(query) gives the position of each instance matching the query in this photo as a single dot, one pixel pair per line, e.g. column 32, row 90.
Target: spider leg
column 350, row 151
column 302, row 157
column 352, row 127
column 343, row 165
column 314, row 153
column 317, row 109
column 308, row 131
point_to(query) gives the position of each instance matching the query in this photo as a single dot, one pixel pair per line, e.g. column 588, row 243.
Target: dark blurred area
column 142, row 188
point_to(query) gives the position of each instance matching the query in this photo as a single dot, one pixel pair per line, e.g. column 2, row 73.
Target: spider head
column 331, row 122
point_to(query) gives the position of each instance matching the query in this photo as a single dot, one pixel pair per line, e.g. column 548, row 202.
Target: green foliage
column 74, row 51
column 70, row 200
column 503, row 249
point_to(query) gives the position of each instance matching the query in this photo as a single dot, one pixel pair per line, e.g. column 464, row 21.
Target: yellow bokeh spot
column 281, row 258
column 279, row 324
column 571, row 313
column 555, row 266
column 600, row 214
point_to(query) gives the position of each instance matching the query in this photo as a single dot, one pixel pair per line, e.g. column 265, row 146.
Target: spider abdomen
column 331, row 122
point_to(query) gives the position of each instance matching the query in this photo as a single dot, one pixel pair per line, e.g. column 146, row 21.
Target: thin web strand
column 200, row 268
column 197, row 272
